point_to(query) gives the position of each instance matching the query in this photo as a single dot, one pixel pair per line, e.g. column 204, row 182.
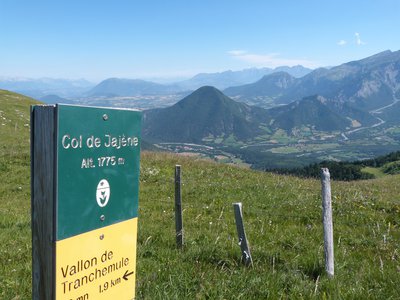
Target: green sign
column 97, row 172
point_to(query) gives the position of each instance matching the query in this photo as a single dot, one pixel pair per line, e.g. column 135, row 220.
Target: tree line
column 347, row 171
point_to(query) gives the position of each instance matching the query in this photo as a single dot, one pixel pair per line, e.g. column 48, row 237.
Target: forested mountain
column 311, row 111
column 206, row 112
column 319, row 113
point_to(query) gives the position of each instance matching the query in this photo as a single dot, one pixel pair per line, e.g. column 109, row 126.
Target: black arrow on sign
column 127, row 274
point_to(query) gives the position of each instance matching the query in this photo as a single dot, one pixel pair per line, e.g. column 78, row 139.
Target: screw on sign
column 103, row 193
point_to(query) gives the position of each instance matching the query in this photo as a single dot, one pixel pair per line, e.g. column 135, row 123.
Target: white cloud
column 236, row 52
column 359, row 42
column 342, row 43
column 271, row 60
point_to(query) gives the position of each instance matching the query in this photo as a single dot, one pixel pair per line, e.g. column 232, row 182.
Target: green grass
column 283, row 219
column 377, row 172
column 15, row 236
column 282, row 215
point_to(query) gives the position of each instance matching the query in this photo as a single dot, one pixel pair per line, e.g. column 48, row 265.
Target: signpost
column 85, row 177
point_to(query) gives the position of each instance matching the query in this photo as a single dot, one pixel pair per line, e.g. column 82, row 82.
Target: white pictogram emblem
column 103, row 193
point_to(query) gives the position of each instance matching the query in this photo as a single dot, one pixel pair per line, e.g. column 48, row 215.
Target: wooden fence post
column 178, row 208
column 244, row 244
column 327, row 221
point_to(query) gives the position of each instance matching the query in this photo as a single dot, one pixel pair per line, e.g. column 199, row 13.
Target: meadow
column 282, row 215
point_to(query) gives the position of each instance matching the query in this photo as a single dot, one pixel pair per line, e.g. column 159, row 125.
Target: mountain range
column 53, row 99
column 348, row 112
column 120, row 87
column 365, row 84
column 208, row 114
column 227, row 79
column 41, row 87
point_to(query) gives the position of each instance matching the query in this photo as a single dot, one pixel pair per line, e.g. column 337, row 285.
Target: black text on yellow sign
column 100, row 264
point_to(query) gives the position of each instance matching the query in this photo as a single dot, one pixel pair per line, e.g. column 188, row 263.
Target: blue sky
column 172, row 38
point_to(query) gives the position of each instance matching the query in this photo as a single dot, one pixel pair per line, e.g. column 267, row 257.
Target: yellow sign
column 99, row 264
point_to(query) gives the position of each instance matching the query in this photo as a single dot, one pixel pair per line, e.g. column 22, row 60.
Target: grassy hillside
column 282, row 215
column 15, row 235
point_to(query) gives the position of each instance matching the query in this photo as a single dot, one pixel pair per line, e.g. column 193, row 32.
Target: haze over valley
column 295, row 114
